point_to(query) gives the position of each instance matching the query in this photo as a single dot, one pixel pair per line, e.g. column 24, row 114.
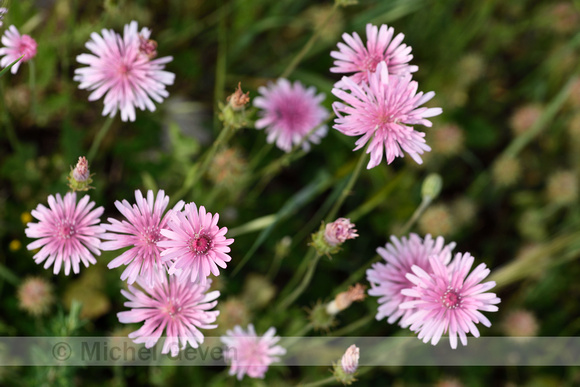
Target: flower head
column 389, row 278
column 195, row 245
column 79, row 178
column 141, row 232
column 339, row 231
column 381, row 111
column 15, row 46
column 122, row 69
column 355, row 57
column 180, row 309
column 68, row 232
column 291, row 114
column 447, row 299
column 249, row 353
column 35, row 295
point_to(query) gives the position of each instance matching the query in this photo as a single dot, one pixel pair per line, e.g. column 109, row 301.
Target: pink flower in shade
column 290, row 112
column 249, row 353
column 389, row 278
column 15, row 46
column 141, row 232
column 381, row 112
column 349, row 361
column 339, row 231
column 195, row 245
column 447, row 299
column 122, row 69
column 354, row 57
column 68, row 232
column 180, row 309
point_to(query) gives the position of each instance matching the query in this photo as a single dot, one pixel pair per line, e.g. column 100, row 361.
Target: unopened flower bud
column 320, row 318
column 148, row 47
column 327, row 239
column 345, row 369
column 238, row 99
column 344, row 299
column 79, row 178
column 431, row 187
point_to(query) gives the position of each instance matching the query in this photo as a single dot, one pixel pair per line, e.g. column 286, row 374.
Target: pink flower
column 122, row 69
column 389, row 278
column 291, row 114
column 339, row 231
column 381, row 112
column 141, row 233
column 3, row 11
column 195, row 245
column 180, row 309
column 69, row 232
column 447, row 299
column 349, row 361
column 354, row 57
column 250, row 354
column 16, row 45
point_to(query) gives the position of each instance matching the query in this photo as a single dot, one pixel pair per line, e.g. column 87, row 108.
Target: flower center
column 172, row 307
column 451, row 299
column 124, row 69
column 370, row 63
column 27, row 47
column 150, row 235
column 199, row 244
column 65, row 229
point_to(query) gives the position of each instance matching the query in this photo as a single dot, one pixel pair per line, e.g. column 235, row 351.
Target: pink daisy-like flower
column 195, row 245
column 389, row 278
column 180, row 309
column 249, row 353
column 15, row 46
column 291, row 114
column 354, row 57
column 122, row 69
column 381, row 112
column 141, row 232
column 68, row 232
column 447, row 299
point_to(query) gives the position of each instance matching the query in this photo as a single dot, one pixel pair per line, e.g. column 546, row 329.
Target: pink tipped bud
column 349, row 361
column 239, row 99
column 337, row 232
column 80, row 177
column 148, row 47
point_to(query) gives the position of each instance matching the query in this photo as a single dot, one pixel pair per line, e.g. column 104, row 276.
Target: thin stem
column 417, row 214
column 346, row 191
column 284, row 304
column 298, row 58
column 322, row 382
column 99, row 138
column 12, row 138
column 220, row 67
column 32, row 86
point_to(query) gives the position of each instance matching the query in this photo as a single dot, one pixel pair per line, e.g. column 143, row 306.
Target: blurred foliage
column 488, row 63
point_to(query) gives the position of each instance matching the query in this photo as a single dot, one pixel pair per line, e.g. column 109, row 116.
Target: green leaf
column 9, row 66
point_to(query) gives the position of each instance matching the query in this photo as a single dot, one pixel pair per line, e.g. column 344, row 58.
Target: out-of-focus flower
column 2, row 13
column 524, row 117
column 35, row 295
column 563, row 17
column 250, row 354
column 121, row 68
column 448, row 140
column 141, row 232
column 15, row 245
column 328, row 239
column 470, row 68
column 291, row 114
column 178, row 308
column 344, row 299
column 355, row 57
column 79, row 178
column 437, row 220
column 68, row 232
column 506, row 171
column 562, row 187
column 233, row 311
column 449, row 300
column 389, row 278
column 381, row 112
column 227, row 168
column 15, row 46
column 463, row 211
column 520, row 323
column 195, row 245
column 258, row 291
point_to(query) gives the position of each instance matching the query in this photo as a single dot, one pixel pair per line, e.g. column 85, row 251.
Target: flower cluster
column 429, row 292
column 379, row 99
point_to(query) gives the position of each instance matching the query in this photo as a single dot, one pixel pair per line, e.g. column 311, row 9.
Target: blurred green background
column 507, row 147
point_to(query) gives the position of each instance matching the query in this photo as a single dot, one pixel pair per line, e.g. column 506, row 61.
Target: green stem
column 220, row 67
column 298, row 58
column 346, row 191
column 10, row 133
column 417, row 214
column 285, row 303
column 7, row 275
column 322, row 382
column 32, row 86
column 99, row 138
